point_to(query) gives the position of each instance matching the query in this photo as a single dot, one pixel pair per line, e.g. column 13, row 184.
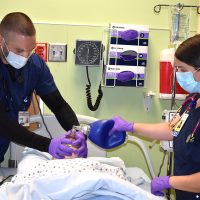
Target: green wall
column 65, row 21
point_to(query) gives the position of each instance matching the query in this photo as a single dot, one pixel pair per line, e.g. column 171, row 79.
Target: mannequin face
column 74, row 148
column 72, row 139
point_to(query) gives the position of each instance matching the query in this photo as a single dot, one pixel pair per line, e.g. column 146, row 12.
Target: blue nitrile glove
column 158, row 184
column 80, row 141
column 121, row 125
column 58, row 149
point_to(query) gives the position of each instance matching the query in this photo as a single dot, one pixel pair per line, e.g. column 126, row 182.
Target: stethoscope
column 192, row 104
column 191, row 137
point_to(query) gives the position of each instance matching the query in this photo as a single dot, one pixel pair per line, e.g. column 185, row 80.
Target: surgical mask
column 14, row 59
column 187, row 82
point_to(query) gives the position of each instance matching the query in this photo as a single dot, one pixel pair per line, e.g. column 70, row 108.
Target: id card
column 182, row 121
column 24, row 118
column 174, row 121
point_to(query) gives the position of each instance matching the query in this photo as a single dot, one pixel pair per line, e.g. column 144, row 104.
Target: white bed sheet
column 84, row 185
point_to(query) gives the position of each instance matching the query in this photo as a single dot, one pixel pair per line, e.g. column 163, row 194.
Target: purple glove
column 158, row 184
column 80, row 141
column 121, row 125
column 58, row 149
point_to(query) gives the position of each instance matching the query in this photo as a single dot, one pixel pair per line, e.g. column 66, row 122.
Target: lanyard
column 191, row 105
column 192, row 100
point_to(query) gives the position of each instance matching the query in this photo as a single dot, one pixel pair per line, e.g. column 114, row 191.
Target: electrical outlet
column 57, row 52
column 41, row 50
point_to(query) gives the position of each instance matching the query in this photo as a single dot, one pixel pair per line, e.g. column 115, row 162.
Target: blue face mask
column 187, row 82
column 14, row 59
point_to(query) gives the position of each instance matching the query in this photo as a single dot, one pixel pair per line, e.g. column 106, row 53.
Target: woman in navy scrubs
column 21, row 73
column 184, row 128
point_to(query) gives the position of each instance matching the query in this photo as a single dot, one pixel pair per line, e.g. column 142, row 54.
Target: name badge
column 24, row 118
column 174, row 121
column 180, row 124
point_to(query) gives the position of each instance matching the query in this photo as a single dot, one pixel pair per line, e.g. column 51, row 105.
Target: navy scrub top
column 187, row 155
column 16, row 95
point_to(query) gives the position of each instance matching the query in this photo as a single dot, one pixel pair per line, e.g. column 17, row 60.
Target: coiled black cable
column 89, row 97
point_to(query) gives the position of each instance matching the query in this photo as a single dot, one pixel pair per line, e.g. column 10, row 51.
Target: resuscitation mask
column 14, row 59
column 98, row 133
column 187, row 82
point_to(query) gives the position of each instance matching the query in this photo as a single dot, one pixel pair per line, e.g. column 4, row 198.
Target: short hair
column 17, row 22
column 189, row 51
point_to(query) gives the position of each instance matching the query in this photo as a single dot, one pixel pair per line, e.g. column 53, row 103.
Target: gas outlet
column 57, row 52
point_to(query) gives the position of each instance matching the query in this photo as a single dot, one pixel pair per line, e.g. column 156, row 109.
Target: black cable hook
column 180, row 6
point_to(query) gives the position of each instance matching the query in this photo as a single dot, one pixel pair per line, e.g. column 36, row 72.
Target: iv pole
column 178, row 9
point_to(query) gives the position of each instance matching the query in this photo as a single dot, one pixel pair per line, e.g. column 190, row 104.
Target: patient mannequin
column 41, row 175
column 37, row 164
column 39, row 170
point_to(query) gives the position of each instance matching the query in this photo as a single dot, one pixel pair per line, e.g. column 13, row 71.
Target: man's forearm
column 62, row 110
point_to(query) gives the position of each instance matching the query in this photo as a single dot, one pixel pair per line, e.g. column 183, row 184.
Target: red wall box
column 166, row 76
column 42, row 50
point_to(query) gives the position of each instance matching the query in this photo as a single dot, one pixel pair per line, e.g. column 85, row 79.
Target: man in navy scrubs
column 21, row 73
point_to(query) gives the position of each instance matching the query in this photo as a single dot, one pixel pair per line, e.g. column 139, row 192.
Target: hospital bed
column 94, row 151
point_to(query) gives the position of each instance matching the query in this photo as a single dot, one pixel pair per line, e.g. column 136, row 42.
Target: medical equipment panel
column 167, row 117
